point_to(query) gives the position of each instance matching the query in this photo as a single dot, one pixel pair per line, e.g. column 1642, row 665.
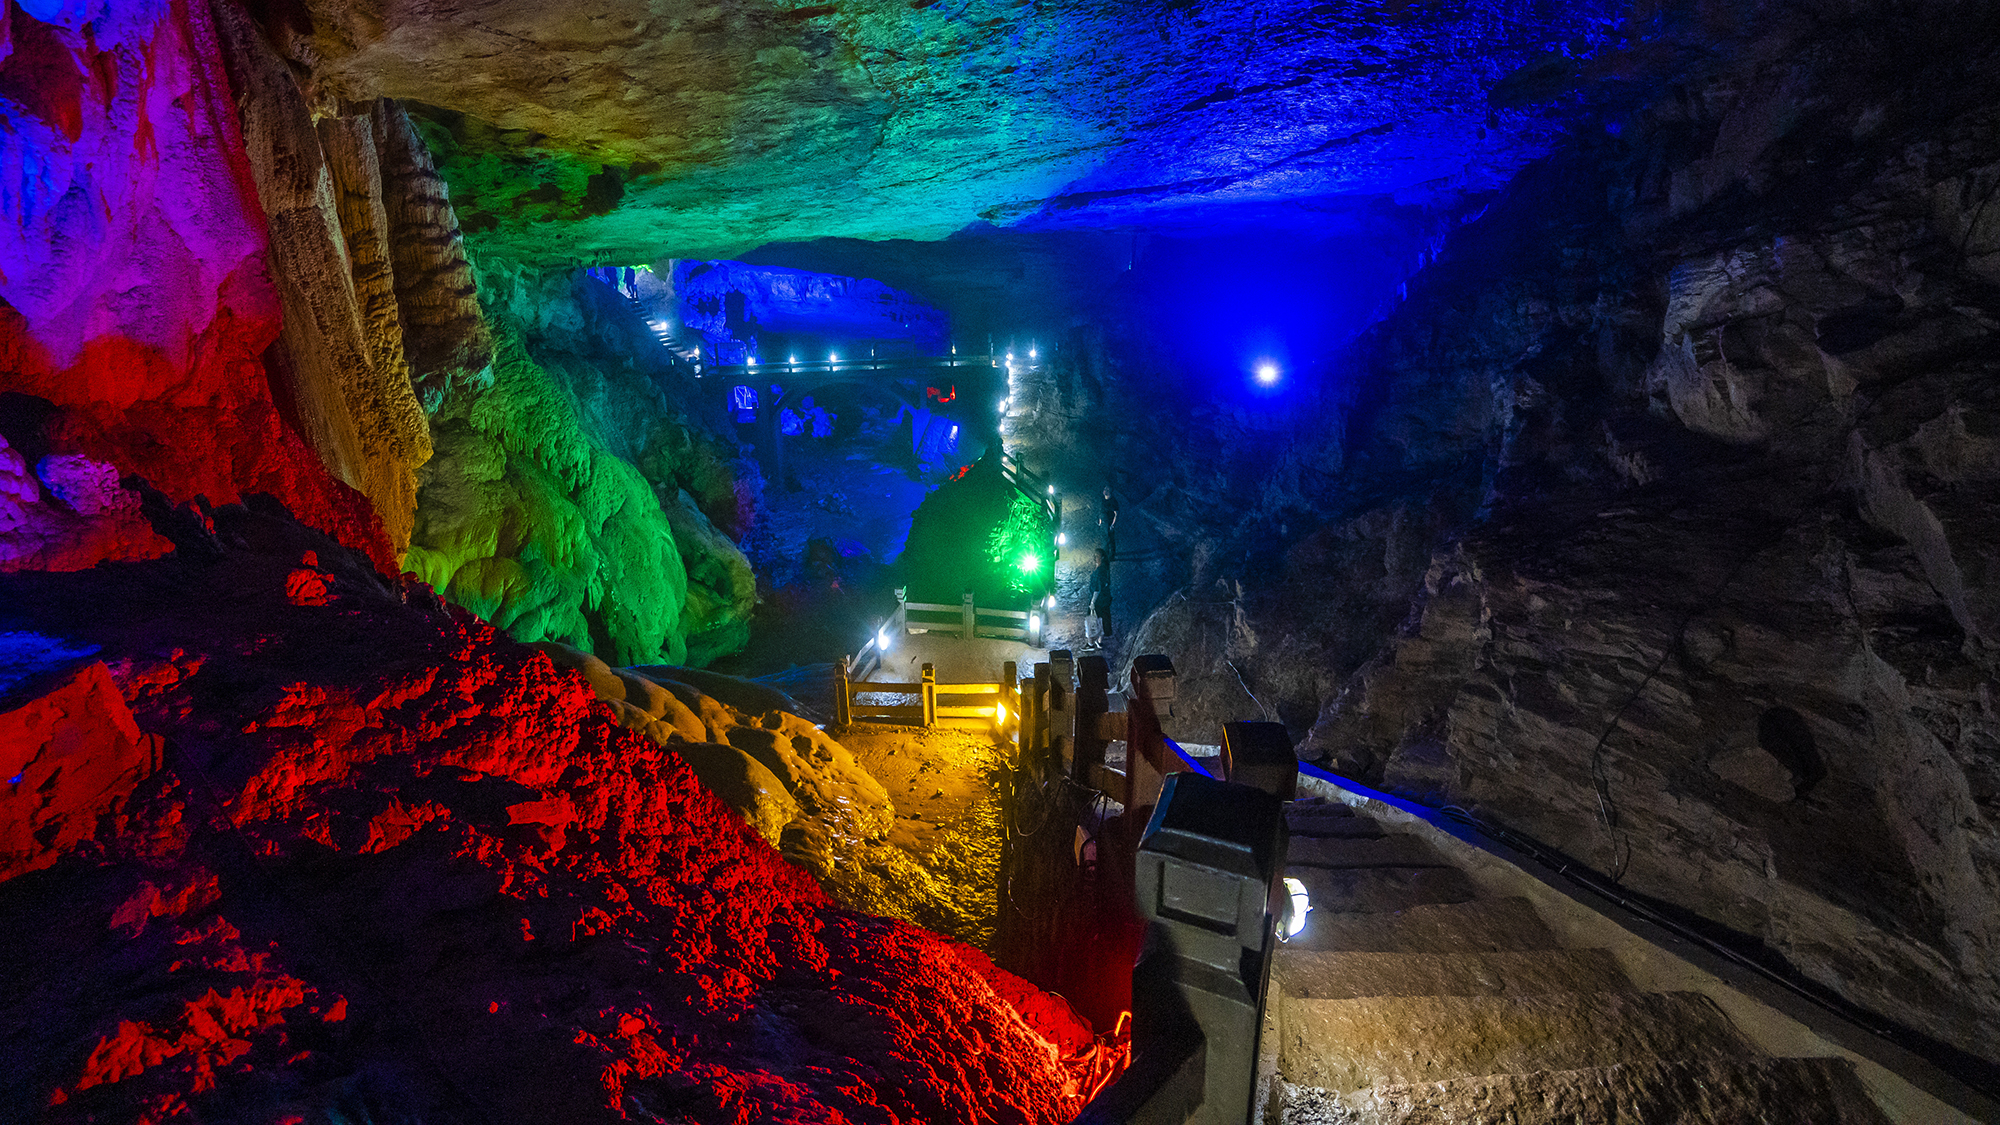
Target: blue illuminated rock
column 707, row 130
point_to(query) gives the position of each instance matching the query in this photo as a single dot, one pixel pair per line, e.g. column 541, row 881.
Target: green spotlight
column 1031, row 562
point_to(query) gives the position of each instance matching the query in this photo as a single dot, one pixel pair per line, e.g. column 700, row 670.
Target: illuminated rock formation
column 350, row 848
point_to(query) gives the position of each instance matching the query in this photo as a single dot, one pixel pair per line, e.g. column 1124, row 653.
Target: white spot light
column 1301, row 905
column 1267, row 374
column 882, row 639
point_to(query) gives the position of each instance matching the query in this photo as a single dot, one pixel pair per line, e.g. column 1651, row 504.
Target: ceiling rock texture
column 620, row 130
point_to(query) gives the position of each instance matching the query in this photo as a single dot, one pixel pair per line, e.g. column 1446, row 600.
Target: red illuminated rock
column 397, row 861
column 135, row 295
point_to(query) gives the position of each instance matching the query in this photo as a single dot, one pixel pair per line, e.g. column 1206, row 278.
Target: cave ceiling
column 614, row 130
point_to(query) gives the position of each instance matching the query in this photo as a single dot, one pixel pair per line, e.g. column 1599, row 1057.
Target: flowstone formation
column 530, row 516
column 137, row 307
column 311, row 842
column 897, row 821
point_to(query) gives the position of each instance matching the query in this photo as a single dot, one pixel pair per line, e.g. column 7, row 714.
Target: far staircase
column 1412, row 998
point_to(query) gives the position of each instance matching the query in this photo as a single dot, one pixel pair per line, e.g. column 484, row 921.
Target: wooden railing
column 969, row 620
column 927, row 703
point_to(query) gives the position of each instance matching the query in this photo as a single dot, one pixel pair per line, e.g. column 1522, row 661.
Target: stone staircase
column 1410, row 998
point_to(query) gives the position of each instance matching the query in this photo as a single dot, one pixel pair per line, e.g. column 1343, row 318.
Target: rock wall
column 1659, row 522
column 360, row 226
column 735, row 302
column 137, row 304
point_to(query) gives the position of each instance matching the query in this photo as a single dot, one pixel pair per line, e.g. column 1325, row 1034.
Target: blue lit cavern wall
column 1577, row 413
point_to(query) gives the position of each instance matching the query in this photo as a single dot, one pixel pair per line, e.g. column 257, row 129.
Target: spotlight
column 1267, row 374
column 1003, row 406
column 882, row 640
column 1061, row 539
column 751, row 360
column 1301, row 905
column 1034, row 624
column 1052, row 490
column 832, row 357
column 1000, row 714
column 1031, row 353
column 1010, row 357
column 1031, row 562
column 1050, row 601
column 792, row 359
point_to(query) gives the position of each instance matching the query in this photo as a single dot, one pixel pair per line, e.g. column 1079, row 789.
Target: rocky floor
column 1411, row 999
column 282, row 839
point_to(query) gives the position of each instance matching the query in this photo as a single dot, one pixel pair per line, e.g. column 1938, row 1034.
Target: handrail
column 1833, row 1019
column 873, row 363
column 1004, row 707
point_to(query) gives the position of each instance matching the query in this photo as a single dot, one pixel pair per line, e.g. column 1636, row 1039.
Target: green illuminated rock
column 526, row 518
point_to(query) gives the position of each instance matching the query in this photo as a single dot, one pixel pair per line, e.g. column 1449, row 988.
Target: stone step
column 1317, row 975
column 1493, row 925
column 1380, row 851
column 1347, row 1045
column 1378, row 890
column 1763, row 1091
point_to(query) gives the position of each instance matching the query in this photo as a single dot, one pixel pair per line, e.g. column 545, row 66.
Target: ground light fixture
column 882, row 640
column 1267, row 374
column 832, row 357
column 1031, row 562
column 1300, row 906
column 1062, row 540
column 792, row 359
column 1034, row 626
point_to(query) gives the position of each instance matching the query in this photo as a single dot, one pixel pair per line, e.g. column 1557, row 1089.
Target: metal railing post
column 968, row 614
column 929, row 691
column 843, row 700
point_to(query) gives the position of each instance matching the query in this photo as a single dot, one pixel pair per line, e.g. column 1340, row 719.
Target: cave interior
column 447, row 449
